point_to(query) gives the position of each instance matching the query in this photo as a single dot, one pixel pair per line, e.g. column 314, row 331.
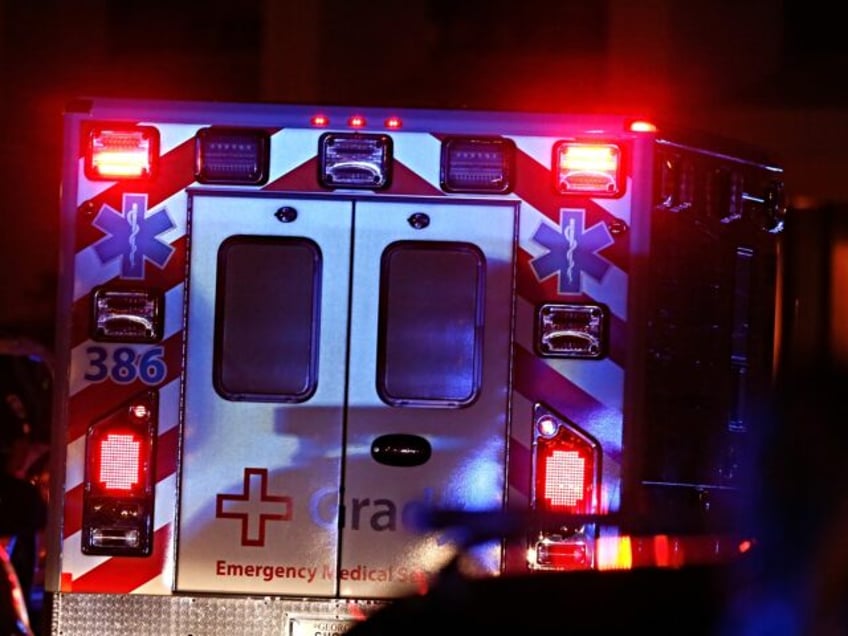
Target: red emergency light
column 641, row 125
column 563, row 556
column 118, row 460
column 592, row 169
column 356, row 121
column 566, row 464
column 120, row 151
column 319, row 121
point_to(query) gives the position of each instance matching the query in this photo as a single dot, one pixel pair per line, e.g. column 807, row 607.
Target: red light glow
column 320, row 121
column 586, row 158
column 564, row 474
column 357, row 121
column 120, row 461
column 642, row 126
column 745, row 545
column 393, row 123
column 566, row 556
column 587, row 168
column 122, row 153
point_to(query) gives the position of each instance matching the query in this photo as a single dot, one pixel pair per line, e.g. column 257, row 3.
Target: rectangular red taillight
column 120, row 480
column 591, row 169
column 564, row 479
column 563, row 555
column 118, row 460
column 113, row 152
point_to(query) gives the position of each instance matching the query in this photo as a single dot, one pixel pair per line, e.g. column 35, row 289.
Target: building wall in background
column 734, row 69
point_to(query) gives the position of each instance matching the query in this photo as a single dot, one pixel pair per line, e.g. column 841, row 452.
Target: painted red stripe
column 97, row 400
column 303, row 178
column 73, row 511
column 155, row 278
column 538, row 382
column 167, row 446
column 176, row 172
column 405, row 181
column 122, row 575
column 167, row 449
column 519, row 464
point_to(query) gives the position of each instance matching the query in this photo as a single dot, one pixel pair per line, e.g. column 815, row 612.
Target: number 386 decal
column 124, row 365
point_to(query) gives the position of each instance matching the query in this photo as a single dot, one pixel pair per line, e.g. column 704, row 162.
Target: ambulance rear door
column 428, row 386
column 346, row 360
column 266, row 358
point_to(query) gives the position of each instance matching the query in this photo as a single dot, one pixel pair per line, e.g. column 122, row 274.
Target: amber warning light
column 121, row 152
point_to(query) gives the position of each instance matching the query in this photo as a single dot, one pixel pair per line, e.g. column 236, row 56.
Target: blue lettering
column 324, row 508
column 385, row 519
column 324, row 511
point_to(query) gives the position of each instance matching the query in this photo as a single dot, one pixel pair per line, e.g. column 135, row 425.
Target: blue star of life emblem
column 132, row 235
column 572, row 251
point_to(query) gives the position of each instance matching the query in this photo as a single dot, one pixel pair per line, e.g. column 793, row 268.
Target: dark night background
column 768, row 73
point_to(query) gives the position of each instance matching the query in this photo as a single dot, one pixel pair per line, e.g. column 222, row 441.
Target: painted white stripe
column 173, row 319
column 619, row 208
column 74, row 561
column 90, row 272
column 166, row 497
column 89, row 189
column 612, row 290
column 540, row 149
column 75, row 463
column 421, row 153
column 172, row 135
column 291, row 148
column 176, row 206
column 160, row 585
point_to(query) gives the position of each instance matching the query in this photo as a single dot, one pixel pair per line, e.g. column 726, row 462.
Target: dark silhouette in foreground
column 794, row 582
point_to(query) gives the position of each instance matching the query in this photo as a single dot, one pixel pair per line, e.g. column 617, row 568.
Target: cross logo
column 254, row 507
column 132, row 235
column 571, row 251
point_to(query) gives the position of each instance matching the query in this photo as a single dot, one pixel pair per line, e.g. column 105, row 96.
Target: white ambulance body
column 285, row 331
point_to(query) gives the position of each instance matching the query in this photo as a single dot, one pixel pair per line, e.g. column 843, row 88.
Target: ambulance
column 294, row 340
